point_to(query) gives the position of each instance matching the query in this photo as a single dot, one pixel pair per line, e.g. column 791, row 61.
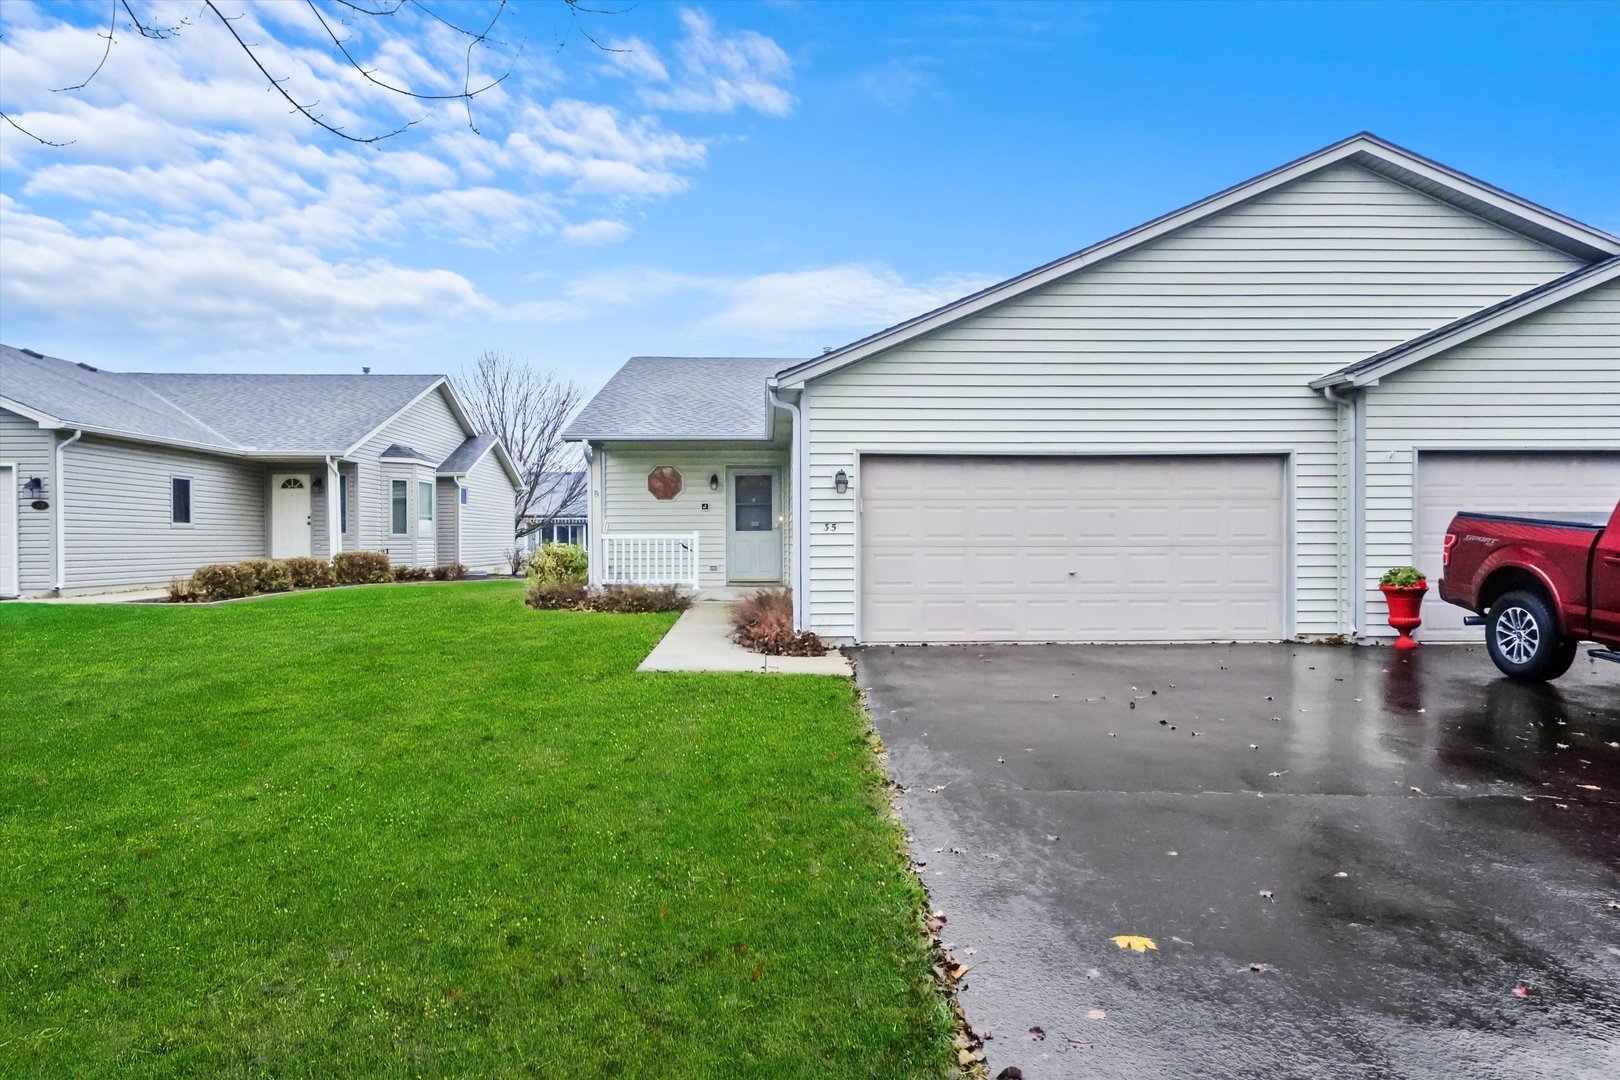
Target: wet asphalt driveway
column 1432, row 838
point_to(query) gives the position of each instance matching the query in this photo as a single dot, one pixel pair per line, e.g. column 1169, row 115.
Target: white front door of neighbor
column 754, row 529
column 289, row 516
column 8, row 530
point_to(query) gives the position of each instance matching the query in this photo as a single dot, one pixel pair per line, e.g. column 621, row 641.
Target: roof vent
column 35, row 355
column 87, row 367
column 825, row 349
column 365, row 371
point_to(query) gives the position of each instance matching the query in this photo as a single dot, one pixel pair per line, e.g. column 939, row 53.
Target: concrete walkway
column 700, row 640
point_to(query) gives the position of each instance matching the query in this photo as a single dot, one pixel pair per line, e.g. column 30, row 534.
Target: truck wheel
column 1522, row 637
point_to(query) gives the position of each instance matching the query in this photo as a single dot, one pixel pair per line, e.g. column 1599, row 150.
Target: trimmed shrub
column 553, row 563
column 1403, row 577
column 361, row 568
column 555, row 596
column 449, row 572
column 617, row 599
column 222, row 581
column 181, row 592
column 763, row 623
column 635, row 599
column 268, row 576
column 308, row 573
column 411, row 573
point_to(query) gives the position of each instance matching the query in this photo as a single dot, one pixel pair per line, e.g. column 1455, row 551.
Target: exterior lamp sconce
column 841, row 481
column 714, row 481
column 318, row 486
column 36, row 493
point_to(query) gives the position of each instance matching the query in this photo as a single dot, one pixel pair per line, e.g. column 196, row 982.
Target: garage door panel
column 1525, row 483
column 1076, row 549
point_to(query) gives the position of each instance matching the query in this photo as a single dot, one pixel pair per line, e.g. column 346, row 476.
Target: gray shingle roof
column 466, row 455
column 400, row 450
column 682, row 397
column 260, row 414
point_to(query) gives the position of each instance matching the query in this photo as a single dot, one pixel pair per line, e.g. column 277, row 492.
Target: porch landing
column 700, row 640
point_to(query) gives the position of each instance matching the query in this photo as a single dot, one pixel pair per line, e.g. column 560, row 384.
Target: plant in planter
column 1403, row 589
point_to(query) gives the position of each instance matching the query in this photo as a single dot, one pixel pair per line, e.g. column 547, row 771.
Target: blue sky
column 744, row 179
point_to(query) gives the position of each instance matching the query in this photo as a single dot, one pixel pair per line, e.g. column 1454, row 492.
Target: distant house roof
column 682, row 397
column 1472, row 325
column 562, row 495
column 251, row 415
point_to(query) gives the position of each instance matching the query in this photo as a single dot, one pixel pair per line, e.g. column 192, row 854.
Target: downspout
column 801, row 489
column 1356, row 509
column 61, row 490
column 334, row 493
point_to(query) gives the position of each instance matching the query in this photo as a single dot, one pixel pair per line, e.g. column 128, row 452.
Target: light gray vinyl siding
column 26, row 445
column 117, row 513
column 1550, row 381
column 628, row 507
column 428, row 426
column 448, row 525
column 488, row 521
column 1201, row 342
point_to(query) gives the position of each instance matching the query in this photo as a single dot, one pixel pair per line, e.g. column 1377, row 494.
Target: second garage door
column 1538, row 483
column 956, row 549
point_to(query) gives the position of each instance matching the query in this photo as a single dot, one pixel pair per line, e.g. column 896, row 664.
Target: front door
column 289, row 516
column 754, row 538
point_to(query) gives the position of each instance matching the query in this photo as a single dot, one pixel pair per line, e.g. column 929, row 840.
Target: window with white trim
column 424, row 508
column 400, row 522
column 343, row 503
column 180, row 500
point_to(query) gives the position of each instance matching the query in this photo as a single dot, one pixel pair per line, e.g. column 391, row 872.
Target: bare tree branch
column 112, row 24
column 371, row 78
column 528, row 408
column 307, row 110
column 31, row 135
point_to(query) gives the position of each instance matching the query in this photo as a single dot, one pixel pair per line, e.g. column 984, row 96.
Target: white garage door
column 1072, row 549
column 1499, row 483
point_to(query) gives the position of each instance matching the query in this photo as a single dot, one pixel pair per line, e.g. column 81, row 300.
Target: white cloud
column 194, row 205
column 714, row 72
column 592, row 233
column 853, row 297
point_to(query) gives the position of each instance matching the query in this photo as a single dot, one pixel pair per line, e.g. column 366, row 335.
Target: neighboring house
column 560, row 512
column 1222, row 425
column 120, row 479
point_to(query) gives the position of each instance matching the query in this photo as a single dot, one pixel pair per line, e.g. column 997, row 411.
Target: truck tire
column 1523, row 638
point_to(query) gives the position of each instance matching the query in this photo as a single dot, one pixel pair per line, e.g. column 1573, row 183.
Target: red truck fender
column 1518, row 557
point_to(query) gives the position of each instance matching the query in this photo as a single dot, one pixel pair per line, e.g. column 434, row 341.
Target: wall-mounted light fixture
column 35, row 486
column 841, row 481
column 714, row 481
column 317, row 487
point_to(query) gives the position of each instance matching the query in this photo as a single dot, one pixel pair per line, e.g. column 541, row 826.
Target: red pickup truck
column 1540, row 585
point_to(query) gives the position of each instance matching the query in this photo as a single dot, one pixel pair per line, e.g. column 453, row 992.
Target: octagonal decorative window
column 664, row 482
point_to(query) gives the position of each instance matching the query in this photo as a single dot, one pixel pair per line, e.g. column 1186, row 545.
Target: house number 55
column 829, row 526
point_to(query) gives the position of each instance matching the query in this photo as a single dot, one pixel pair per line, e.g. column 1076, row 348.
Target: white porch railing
column 650, row 559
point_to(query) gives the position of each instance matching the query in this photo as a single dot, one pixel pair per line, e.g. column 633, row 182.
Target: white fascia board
column 44, row 420
column 1360, row 145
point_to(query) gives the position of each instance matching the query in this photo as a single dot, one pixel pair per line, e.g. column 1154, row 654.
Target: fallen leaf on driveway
column 1095, row 974
column 1522, row 990
column 1418, row 790
column 1589, row 787
column 1096, row 1014
column 1049, row 836
column 1261, row 967
column 1341, row 873
column 1037, row 1034
column 1267, row 894
column 1274, row 775
column 1135, row 942
column 940, row 788
column 1011, row 1072
column 1078, row 1044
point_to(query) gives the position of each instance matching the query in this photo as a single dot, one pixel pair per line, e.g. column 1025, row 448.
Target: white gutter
column 61, row 491
column 801, row 488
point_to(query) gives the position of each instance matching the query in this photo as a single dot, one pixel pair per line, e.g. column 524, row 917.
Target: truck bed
column 1592, row 520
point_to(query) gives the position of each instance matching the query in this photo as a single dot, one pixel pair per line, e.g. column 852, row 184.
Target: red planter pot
column 1404, row 605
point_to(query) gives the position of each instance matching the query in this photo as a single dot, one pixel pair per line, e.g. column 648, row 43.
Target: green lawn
column 425, row 831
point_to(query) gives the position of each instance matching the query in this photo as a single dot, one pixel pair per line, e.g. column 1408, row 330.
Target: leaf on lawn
column 1135, row 942
column 1096, row 1014
column 759, row 969
column 1037, row 1034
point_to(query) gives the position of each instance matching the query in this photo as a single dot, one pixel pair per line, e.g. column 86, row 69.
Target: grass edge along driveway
column 427, row 831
